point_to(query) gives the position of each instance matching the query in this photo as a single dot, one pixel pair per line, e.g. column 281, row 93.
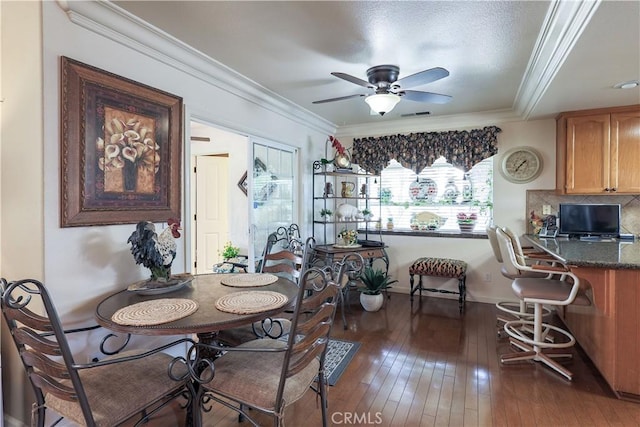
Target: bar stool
column 539, row 291
column 514, row 309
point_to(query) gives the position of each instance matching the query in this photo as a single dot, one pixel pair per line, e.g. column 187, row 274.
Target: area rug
column 339, row 354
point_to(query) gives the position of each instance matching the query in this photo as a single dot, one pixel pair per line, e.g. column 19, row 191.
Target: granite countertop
column 605, row 254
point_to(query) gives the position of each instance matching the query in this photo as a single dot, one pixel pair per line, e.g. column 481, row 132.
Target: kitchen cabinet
column 598, row 151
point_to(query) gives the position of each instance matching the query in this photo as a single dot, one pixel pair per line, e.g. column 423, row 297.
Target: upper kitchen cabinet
column 598, row 151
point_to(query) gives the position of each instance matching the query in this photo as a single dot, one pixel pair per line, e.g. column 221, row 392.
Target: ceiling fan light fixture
column 382, row 103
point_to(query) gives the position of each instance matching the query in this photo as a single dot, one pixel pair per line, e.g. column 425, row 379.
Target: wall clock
column 522, row 164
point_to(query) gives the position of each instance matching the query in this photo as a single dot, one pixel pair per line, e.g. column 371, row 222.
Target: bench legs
column 462, row 289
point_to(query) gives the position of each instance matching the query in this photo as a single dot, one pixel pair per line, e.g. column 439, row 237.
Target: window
column 440, row 189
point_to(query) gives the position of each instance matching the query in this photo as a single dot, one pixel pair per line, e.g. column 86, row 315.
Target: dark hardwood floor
column 427, row 365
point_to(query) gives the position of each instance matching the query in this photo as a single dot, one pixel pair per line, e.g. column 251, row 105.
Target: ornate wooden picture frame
column 121, row 150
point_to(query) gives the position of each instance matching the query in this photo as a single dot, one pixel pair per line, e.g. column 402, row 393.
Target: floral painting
column 121, row 149
column 129, row 156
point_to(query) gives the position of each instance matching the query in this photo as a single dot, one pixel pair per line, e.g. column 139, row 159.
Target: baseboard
column 482, row 299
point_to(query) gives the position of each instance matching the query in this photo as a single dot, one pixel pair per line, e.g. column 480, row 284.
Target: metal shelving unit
column 363, row 186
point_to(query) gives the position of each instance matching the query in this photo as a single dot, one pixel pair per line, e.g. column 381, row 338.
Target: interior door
column 212, row 230
column 273, row 190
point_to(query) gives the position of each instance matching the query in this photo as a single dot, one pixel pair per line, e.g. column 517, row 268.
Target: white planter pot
column 371, row 302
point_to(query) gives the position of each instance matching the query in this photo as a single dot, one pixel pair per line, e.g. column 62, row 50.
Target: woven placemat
column 249, row 280
column 250, row 302
column 155, row 312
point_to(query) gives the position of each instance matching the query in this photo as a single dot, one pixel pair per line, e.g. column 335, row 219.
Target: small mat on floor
column 339, row 354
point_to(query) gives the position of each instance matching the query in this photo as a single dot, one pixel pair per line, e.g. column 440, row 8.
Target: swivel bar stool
column 539, row 291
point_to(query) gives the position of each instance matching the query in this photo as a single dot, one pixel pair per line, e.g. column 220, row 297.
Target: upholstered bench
column 440, row 267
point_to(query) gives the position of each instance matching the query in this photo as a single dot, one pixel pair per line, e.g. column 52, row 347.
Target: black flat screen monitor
column 589, row 219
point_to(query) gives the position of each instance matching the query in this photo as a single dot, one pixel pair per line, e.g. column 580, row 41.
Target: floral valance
column 463, row 149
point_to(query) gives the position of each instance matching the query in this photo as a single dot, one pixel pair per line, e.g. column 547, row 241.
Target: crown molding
column 108, row 20
column 564, row 23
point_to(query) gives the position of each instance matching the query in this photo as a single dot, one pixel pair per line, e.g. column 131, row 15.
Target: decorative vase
column 347, row 189
column 371, row 302
column 450, row 191
column 466, row 227
column 129, row 175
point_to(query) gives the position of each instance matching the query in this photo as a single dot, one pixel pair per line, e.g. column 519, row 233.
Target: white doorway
column 265, row 202
column 211, row 217
column 218, row 208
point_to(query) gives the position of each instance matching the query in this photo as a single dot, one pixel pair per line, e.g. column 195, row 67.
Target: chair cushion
column 523, row 274
column 442, row 267
column 253, row 378
column 553, row 291
column 119, row 391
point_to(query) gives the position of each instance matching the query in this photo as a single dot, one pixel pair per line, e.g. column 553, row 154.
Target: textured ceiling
column 291, row 48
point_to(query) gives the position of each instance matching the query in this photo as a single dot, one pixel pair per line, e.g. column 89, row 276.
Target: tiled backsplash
column 630, row 207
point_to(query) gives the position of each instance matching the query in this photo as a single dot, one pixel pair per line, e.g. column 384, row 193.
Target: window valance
column 415, row 151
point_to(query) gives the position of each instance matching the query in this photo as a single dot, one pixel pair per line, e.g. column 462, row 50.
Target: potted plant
column 348, row 237
column 366, row 214
column 466, row 222
column 326, row 214
column 390, row 223
column 229, row 251
column 374, row 281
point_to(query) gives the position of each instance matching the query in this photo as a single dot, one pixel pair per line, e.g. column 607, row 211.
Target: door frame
column 253, row 141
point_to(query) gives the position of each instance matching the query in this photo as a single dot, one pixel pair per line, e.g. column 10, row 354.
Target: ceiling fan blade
column 423, row 77
column 340, row 98
column 352, row 79
column 429, row 97
column 419, row 113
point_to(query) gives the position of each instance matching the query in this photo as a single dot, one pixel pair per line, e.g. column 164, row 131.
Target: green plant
column 366, row 211
column 326, row 212
column 374, row 280
column 230, row 251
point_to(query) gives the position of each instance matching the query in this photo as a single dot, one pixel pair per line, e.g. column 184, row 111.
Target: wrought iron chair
column 345, row 272
column 289, row 262
column 103, row 393
column 287, row 369
column 536, row 292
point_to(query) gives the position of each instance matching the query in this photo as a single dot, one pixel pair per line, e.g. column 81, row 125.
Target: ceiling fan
column 388, row 90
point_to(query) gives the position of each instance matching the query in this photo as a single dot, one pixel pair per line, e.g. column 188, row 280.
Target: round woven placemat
column 250, row 302
column 249, row 280
column 155, row 312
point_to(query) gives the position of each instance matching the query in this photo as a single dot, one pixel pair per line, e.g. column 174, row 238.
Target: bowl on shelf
column 427, row 221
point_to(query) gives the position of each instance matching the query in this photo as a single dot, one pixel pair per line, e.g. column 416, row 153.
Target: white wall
column 509, row 209
column 82, row 265
column 21, row 226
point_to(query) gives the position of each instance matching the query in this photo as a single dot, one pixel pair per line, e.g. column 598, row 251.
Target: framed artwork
column 243, row 184
column 121, row 150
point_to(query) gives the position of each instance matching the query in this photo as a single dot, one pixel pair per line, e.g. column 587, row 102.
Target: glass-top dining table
column 213, row 303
